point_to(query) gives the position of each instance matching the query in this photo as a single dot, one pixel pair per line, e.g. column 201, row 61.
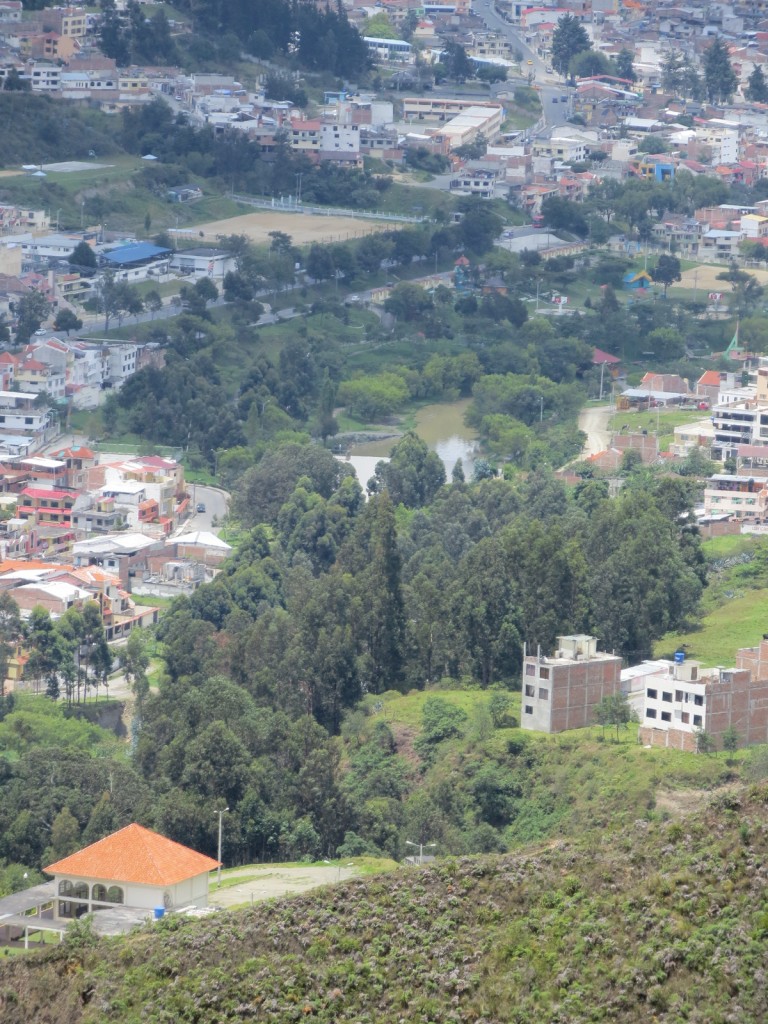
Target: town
column 383, row 491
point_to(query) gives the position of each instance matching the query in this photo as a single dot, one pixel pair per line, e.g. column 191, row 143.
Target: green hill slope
column 661, row 922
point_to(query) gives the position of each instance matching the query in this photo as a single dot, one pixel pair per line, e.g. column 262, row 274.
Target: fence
column 291, row 206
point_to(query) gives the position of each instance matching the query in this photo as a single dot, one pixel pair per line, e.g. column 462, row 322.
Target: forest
column 267, row 697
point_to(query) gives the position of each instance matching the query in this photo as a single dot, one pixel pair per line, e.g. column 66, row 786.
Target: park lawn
column 739, row 622
column 656, row 420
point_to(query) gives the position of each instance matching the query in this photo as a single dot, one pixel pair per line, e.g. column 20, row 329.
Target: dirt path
column 593, row 420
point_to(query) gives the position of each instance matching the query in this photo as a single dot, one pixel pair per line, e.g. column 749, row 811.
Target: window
column 530, row 670
column 529, row 690
column 698, row 700
column 115, row 894
column 667, row 697
column 543, row 673
column 650, row 712
column 99, row 893
column 679, row 695
column 528, row 709
column 685, row 718
column 697, row 720
column 652, row 694
column 666, row 716
column 543, row 693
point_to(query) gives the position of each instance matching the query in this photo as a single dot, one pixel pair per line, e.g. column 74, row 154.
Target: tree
column 673, row 72
column 730, row 741
column 31, row 310
column 614, row 710
column 666, row 271
column 83, row 258
column 457, row 64
column 568, row 39
column 67, row 321
column 153, row 302
column 705, row 743
column 757, row 86
column 10, row 632
column 719, row 77
column 623, row 62
column 413, row 475
column 587, row 63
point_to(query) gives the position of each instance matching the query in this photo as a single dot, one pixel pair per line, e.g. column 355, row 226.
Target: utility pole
column 218, row 873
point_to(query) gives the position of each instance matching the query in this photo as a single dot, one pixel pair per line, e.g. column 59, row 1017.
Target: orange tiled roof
column 710, row 379
column 135, row 854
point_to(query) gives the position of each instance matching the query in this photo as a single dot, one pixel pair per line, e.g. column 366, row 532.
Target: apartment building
column 681, row 699
column 562, row 691
column 19, row 416
column 739, row 497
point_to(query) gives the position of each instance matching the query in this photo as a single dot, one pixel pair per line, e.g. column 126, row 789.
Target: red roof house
column 134, row 867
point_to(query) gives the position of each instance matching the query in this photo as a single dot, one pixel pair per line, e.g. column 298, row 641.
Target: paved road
column 216, row 502
column 551, row 91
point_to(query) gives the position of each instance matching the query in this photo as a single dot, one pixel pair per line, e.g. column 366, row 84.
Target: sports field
column 304, row 228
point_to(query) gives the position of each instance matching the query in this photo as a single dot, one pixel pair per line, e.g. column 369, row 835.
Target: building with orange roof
column 134, row 868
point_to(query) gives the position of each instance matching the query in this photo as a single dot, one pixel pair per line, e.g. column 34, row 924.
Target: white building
column 133, row 868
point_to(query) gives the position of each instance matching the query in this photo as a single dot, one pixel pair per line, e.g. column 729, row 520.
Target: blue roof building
column 135, row 254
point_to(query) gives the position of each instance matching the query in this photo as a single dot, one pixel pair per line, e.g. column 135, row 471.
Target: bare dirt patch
column 303, row 228
column 679, row 803
column 705, row 279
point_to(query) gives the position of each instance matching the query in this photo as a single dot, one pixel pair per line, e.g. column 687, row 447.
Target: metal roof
column 125, row 254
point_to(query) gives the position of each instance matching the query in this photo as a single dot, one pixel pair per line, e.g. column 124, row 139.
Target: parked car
column 200, row 507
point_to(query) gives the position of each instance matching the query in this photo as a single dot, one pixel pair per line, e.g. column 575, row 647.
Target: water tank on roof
column 679, row 657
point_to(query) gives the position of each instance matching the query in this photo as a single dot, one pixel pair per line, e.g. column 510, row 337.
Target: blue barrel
column 159, row 912
column 679, row 657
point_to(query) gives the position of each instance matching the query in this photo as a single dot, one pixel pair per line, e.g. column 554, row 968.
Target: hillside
column 662, row 922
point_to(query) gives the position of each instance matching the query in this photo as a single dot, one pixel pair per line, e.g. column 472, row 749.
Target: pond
column 442, row 426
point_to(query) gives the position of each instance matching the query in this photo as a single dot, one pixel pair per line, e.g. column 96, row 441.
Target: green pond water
column 442, row 426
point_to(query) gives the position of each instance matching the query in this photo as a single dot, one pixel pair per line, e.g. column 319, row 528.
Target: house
column 562, row 691
column 737, row 496
column 134, row 868
column 203, row 261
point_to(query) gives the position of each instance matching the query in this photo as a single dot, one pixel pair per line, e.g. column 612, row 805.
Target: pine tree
column 719, row 76
column 757, row 87
column 568, row 39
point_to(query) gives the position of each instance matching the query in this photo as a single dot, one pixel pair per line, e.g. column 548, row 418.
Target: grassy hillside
column 498, row 788
column 734, row 606
column 661, row 922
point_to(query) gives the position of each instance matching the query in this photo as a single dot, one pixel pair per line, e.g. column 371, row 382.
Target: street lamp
column 422, row 847
column 218, row 873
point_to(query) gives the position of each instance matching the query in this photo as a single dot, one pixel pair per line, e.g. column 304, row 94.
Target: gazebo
column 133, row 868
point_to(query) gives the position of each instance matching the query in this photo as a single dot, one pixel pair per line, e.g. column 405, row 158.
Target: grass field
column 656, row 420
column 740, row 622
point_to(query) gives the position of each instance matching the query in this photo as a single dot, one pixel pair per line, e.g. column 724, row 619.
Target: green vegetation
column 610, row 930
column 656, row 422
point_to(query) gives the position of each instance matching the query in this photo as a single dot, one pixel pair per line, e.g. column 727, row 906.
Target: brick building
column 681, row 700
column 562, row 691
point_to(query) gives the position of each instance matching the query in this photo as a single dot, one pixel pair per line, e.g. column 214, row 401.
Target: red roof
column 135, row 854
column 42, row 492
column 598, row 357
column 710, row 379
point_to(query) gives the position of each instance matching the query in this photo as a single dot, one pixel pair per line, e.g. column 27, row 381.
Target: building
column 203, row 261
column 562, row 691
column 681, row 700
column 134, row 868
column 741, row 497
